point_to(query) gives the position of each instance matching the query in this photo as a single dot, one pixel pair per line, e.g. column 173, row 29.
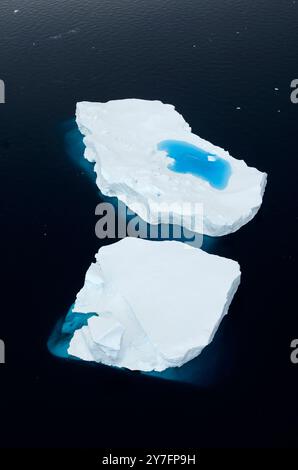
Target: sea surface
column 227, row 68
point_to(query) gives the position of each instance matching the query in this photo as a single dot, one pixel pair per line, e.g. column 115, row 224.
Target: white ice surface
column 158, row 304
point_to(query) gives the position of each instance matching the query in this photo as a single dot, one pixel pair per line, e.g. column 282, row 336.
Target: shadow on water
column 202, row 370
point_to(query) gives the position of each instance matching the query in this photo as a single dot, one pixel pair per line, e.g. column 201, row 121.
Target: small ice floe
column 62, row 35
column 57, row 36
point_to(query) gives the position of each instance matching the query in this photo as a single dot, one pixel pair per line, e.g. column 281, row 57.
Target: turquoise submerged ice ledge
column 59, row 340
column 192, row 160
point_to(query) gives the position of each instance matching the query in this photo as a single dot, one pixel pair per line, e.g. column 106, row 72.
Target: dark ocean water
column 209, row 58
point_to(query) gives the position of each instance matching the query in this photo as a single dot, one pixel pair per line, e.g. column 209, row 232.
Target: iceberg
column 146, row 155
column 151, row 305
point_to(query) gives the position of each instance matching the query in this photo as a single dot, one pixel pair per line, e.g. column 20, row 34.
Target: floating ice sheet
column 158, row 304
column 126, row 140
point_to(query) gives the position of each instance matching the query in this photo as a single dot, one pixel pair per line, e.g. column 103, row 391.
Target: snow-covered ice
column 158, row 304
column 123, row 138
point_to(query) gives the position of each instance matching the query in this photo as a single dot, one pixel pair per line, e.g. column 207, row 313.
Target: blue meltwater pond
column 192, row 160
